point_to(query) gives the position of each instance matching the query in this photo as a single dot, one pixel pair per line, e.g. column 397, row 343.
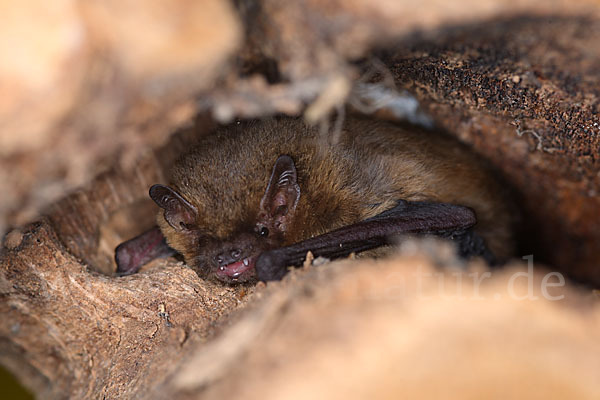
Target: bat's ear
column 179, row 213
column 281, row 197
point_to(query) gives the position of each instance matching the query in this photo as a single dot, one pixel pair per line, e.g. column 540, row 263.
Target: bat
column 254, row 197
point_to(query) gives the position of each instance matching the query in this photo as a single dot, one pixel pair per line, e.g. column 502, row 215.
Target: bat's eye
column 264, row 232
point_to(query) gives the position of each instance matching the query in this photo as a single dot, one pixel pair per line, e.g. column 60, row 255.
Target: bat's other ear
column 179, row 213
column 281, row 197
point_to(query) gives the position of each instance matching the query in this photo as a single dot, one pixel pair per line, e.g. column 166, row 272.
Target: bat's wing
column 407, row 217
column 134, row 253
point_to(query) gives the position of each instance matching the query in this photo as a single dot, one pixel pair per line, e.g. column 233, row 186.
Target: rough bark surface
column 525, row 92
column 89, row 97
column 344, row 330
column 84, row 89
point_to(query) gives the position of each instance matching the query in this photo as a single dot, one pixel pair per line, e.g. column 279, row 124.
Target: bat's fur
column 373, row 164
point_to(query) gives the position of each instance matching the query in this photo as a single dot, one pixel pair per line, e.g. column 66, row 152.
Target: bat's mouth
column 237, row 269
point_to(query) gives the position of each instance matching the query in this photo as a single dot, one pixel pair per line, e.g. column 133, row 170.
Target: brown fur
column 374, row 164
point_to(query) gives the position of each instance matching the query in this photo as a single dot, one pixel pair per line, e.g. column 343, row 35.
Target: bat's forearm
column 134, row 253
column 406, row 217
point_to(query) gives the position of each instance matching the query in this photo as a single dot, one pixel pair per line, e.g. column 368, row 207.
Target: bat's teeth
column 222, row 268
column 246, row 262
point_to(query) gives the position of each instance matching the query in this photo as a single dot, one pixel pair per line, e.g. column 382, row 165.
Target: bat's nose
column 228, row 256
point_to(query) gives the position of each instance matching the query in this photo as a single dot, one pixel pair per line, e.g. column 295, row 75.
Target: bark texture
column 525, row 92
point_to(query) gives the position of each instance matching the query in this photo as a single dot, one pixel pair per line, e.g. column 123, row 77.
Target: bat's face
column 232, row 259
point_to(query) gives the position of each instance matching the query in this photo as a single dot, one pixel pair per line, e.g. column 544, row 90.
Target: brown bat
column 251, row 199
